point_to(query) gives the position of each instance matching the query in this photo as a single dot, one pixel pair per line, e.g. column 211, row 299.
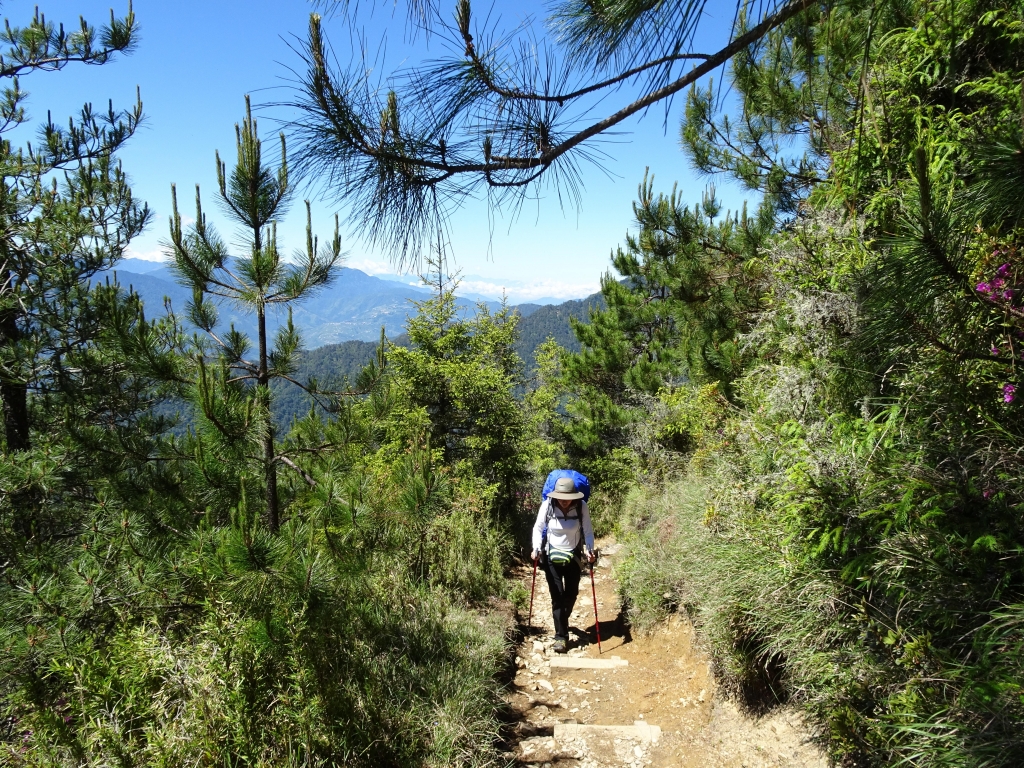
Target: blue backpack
column 582, row 484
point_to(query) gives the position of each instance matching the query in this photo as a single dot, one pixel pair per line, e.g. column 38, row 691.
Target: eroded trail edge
column 657, row 705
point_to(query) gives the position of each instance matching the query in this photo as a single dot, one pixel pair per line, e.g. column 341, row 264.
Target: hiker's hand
column 591, row 557
column 535, row 555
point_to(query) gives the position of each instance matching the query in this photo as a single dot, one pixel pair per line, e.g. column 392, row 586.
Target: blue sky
column 197, row 60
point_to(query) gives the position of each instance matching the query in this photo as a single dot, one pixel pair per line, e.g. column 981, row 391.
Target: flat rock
column 580, row 662
column 639, row 730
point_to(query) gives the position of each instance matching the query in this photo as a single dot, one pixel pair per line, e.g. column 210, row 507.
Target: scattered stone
column 724, row 737
column 540, row 749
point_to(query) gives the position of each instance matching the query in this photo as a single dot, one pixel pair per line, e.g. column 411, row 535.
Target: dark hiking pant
column 564, row 585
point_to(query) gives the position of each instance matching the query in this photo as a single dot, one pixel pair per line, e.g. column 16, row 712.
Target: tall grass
column 278, row 650
column 886, row 684
column 753, row 611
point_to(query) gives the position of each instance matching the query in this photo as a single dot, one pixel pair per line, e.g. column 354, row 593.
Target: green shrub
column 293, row 663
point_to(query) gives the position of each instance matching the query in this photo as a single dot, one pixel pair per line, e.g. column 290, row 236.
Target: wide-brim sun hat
column 565, row 488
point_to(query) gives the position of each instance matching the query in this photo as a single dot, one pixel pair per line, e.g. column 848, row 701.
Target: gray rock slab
column 570, row 662
column 639, row 730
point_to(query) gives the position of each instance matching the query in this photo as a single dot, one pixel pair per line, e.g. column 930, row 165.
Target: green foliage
column 255, row 197
column 259, row 649
column 67, row 214
column 409, row 153
column 689, row 284
column 541, row 404
column 694, row 415
column 151, row 616
column 847, row 529
column 462, row 373
column 175, row 626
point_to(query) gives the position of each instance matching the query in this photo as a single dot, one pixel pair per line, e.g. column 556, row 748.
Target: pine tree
column 463, row 373
column 687, row 284
column 255, row 197
column 66, row 213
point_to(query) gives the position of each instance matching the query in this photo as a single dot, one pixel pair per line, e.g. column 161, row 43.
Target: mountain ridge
column 354, row 307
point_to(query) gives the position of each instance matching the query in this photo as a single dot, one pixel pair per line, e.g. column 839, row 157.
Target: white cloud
column 523, row 291
column 155, row 254
column 518, row 291
column 372, row 267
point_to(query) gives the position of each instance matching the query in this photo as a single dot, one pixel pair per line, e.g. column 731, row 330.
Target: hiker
column 566, row 517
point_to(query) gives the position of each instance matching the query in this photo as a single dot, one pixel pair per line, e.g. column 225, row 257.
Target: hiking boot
column 560, row 646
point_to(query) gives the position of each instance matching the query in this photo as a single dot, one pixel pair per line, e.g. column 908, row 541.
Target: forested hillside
column 337, row 366
column 355, row 306
column 334, row 367
column 801, row 420
column 554, row 321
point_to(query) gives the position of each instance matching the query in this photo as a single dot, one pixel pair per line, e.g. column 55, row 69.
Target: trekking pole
column 597, row 624
column 532, row 588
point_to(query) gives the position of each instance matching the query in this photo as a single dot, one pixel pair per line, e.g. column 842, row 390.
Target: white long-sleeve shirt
column 562, row 533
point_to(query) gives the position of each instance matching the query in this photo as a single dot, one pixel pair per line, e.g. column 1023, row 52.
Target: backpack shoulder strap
column 575, row 508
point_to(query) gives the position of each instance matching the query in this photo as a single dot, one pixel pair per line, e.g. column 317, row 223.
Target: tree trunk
column 269, row 465
column 271, row 478
column 13, row 393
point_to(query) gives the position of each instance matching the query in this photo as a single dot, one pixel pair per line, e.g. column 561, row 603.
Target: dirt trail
column 668, row 683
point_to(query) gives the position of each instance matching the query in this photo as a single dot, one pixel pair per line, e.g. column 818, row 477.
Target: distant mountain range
column 333, row 365
column 341, row 324
column 353, row 307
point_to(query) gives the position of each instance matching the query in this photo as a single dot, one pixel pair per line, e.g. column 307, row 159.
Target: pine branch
column 409, row 167
column 292, row 465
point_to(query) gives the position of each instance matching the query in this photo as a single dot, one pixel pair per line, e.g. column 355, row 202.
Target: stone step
column 639, row 730
column 582, row 662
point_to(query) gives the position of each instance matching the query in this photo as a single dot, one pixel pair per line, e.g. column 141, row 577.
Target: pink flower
column 998, row 283
column 984, row 288
column 994, row 351
column 1007, row 295
column 1009, row 393
column 987, row 493
column 1003, row 270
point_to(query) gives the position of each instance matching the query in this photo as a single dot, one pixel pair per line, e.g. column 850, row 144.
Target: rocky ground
column 664, row 699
